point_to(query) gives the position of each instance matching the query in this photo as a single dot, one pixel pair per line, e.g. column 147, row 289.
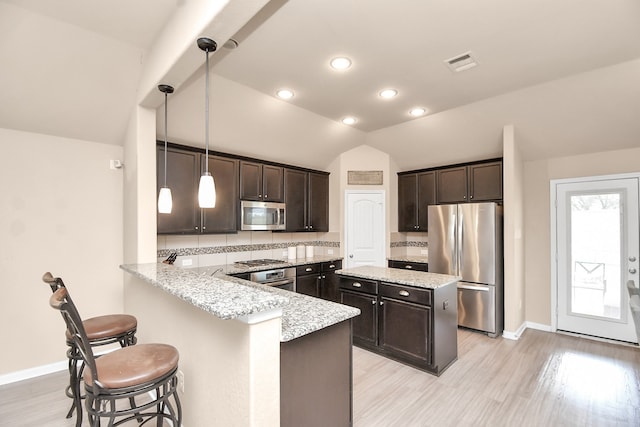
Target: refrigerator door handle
column 455, row 264
column 474, row 288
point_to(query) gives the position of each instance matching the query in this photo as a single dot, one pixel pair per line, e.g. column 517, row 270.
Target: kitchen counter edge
column 420, row 279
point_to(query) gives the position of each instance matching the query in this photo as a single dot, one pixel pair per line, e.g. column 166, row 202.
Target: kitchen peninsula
column 409, row 316
column 251, row 355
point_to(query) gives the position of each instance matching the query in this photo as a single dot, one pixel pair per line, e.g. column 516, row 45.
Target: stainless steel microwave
column 262, row 215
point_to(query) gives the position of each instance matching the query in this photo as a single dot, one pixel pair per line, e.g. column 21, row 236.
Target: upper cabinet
column 237, row 178
column 184, row 170
column 415, row 192
column 473, row 182
column 261, row 182
column 307, row 200
column 478, row 182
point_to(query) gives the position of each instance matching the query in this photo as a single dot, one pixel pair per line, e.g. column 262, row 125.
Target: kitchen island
column 409, row 316
column 250, row 355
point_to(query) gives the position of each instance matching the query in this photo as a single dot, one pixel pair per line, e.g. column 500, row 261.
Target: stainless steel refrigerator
column 466, row 240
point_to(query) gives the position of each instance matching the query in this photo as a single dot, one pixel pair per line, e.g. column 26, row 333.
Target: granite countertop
column 229, row 297
column 422, row 259
column 282, row 263
column 419, row 279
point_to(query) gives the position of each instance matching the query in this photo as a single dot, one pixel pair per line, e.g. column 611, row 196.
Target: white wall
column 61, row 211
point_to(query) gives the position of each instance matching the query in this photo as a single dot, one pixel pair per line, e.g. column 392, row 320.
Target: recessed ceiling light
column 417, row 112
column 285, row 94
column 388, row 93
column 349, row 120
column 340, row 63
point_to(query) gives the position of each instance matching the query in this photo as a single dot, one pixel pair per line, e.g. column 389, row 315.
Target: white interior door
column 597, row 252
column 365, row 228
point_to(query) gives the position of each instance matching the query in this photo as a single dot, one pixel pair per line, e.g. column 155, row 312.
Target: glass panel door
column 597, row 249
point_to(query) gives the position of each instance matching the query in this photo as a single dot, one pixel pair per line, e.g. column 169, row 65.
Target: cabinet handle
column 471, row 197
column 408, row 266
column 196, row 227
column 265, row 196
column 373, row 302
column 332, row 266
column 356, row 284
column 464, row 197
column 417, row 227
column 381, row 302
column 308, row 269
column 403, row 293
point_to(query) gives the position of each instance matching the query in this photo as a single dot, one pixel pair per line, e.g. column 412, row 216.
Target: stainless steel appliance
column 262, row 215
column 283, row 278
column 466, row 240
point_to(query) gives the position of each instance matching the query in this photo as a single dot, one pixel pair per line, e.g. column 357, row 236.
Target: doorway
column 364, row 228
column 595, row 243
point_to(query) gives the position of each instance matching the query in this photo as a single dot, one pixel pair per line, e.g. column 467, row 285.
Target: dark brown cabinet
column 319, row 280
column 184, row 171
column 405, row 265
column 472, row 183
column 413, row 325
column 306, row 195
column 362, row 294
column 416, row 191
column 261, row 182
column 405, row 322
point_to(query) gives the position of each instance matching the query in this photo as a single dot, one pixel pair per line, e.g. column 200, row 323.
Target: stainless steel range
column 283, row 278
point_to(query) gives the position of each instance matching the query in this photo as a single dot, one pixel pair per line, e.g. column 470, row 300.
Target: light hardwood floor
column 544, row 379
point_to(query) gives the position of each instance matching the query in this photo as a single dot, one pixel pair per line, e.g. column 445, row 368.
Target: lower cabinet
column 319, row 280
column 410, row 324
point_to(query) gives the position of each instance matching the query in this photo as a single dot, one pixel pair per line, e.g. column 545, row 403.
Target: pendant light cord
column 165, row 138
column 206, row 118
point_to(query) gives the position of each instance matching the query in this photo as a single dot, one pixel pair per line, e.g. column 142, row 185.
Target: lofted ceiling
column 554, row 69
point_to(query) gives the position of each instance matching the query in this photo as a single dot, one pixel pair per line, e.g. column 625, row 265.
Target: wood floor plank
column 543, row 379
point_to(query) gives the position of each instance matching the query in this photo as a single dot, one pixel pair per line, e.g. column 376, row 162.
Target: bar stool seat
column 101, row 331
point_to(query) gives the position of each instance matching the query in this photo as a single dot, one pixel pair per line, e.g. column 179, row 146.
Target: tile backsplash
column 409, row 244
column 218, row 249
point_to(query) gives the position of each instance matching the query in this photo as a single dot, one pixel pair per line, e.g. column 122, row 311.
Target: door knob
column 351, row 256
column 632, row 258
column 632, row 270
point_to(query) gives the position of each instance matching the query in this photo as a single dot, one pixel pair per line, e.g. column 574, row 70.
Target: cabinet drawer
column 307, row 269
column 359, row 285
column 330, row 266
column 418, row 266
column 406, row 293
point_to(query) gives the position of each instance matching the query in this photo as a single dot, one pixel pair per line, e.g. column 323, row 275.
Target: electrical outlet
column 424, row 252
column 180, row 381
column 187, row 262
column 329, row 251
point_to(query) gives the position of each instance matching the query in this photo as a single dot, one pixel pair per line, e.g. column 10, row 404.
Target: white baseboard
column 515, row 335
column 526, row 325
column 26, row 374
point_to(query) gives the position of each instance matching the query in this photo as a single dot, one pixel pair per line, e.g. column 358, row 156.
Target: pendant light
column 207, row 188
column 165, row 202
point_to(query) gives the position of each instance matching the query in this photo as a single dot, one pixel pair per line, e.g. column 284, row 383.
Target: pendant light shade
column 207, row 187
column 207, row 191
column 165, row 202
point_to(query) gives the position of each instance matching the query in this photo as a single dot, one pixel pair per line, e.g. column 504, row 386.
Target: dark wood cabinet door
column 295, row 196
column 452, row 185
column 318, row 202
column 222, row 218
column 273, row 183
column 426, row 197
column 309, row 285
column 365, row 325
column 250, row 181
column 405, row 329
column 407, row 202
column 330, row 285
column 182, row 178
column 485, row 182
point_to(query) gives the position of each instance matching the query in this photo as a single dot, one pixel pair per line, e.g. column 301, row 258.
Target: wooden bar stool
column 147, row 371
column 101, row 330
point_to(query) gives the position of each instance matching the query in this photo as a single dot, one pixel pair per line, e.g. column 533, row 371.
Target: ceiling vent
column 461, row 62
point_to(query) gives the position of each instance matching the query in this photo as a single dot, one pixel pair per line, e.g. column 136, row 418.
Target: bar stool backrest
column 60, row 300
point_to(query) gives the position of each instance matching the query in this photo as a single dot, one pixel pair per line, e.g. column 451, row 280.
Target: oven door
column 286, row 284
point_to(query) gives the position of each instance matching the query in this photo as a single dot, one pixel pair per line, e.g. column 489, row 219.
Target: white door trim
column 554, row 232
column 347, row 193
